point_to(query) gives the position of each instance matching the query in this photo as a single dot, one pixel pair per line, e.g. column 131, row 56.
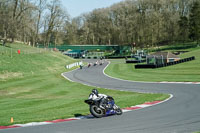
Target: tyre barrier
column 165, row 64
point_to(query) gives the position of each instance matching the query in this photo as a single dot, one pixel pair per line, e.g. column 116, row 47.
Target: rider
column 94, row 95
column 81, row 66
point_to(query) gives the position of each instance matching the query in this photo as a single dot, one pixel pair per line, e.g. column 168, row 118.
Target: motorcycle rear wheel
column 96, row 111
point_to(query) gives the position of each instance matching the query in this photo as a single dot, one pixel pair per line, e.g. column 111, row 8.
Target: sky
column 77, row 7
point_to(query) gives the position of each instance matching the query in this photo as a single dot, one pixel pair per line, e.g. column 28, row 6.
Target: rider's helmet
column 95, row 91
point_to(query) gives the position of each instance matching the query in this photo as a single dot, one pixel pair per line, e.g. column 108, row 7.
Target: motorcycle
column 89, row 64
column 109, row 107
column 95, row 64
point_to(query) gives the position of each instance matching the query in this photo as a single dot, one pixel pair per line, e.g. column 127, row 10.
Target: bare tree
column 54, row 19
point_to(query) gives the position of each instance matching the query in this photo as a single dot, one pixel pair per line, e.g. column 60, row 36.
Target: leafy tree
column 194, row 24
column 183, row 28
column 141, row 22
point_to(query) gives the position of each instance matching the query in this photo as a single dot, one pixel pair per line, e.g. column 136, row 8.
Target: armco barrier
column 74, row 64
column 164, row 65
column 135, row 61
column 117, row 57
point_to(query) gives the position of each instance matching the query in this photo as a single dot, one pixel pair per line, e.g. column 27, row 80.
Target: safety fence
column 140, row 66
column 74, row 65
column 8, row 51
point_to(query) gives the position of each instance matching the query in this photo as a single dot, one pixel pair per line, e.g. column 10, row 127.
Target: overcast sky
column 77, row 7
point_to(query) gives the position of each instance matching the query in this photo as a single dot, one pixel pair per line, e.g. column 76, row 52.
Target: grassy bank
column 32, row 89
column 188, row 46
column 188, row 72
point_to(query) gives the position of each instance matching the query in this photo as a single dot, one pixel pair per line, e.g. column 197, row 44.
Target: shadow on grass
column 84, row 116
column 178, row 47
column 77, row 115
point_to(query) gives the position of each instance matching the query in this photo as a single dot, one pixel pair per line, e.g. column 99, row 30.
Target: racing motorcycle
column 109, row 107
column 89, row 64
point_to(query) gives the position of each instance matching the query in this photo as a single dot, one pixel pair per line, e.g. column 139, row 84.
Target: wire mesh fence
column 12, row 52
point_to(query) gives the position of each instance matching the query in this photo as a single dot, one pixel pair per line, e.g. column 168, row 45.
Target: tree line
column 142, row 23
column 32, row 21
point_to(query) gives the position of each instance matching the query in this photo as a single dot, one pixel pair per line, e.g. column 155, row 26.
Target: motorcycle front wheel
column 118, row 111
column 96, row 111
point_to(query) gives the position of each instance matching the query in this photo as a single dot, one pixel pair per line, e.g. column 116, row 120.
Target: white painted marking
column 33, row 124
column 143, row 105
column 124, row 110
column 66, row 77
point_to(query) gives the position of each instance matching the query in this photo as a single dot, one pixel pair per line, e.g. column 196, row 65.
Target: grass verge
column 32, row 88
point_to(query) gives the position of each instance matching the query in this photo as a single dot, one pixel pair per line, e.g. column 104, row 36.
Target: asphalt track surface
column 181, row 114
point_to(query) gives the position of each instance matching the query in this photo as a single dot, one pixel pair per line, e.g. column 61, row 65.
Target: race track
column 181, row 114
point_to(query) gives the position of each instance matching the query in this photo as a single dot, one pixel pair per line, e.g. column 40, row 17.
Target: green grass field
column 187, row 72
column 32, row 88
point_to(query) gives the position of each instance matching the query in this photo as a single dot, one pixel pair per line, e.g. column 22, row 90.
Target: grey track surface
column 181, row 114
